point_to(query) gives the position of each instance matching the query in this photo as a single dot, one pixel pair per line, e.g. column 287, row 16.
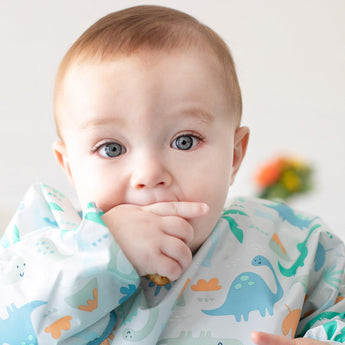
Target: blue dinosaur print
column 17, row 328
column 249, row 292
column 268, row 216
column 287, row 213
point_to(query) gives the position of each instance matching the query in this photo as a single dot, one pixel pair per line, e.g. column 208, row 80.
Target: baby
column 148, row 110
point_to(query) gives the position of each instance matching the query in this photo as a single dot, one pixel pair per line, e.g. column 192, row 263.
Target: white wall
column 290, row 57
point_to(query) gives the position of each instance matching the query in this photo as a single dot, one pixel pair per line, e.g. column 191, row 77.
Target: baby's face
column 148, row 128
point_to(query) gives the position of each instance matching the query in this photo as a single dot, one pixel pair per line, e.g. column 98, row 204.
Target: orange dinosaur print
column 184, row 287
column 291, row 321
column 91, row 304
column 203, row 285
column 58, row 326
column 276, row 239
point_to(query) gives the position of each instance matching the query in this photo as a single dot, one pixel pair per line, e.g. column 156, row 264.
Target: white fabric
column 265, row 267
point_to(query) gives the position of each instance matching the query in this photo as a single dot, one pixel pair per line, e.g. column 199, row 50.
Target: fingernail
column 205, row 208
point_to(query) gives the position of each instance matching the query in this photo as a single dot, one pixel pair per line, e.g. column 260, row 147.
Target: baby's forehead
column 92, row 75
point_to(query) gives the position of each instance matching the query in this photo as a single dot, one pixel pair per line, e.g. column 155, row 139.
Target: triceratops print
column 17, row 328
column 249, row 292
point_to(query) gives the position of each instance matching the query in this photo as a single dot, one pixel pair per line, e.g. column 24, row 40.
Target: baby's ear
column 60, row 153
column 240, row 147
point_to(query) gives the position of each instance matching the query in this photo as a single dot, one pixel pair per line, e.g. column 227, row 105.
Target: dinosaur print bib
column 265, row 267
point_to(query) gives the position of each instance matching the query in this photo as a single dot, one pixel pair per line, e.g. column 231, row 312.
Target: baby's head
column 148, row 107
column 148, row 28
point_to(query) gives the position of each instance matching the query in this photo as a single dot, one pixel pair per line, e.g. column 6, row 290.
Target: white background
column 290, row 57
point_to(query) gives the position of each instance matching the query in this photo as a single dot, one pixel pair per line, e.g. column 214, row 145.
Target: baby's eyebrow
column 199, row 114
column 101, row 121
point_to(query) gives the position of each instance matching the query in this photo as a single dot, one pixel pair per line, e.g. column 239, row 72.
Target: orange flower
column 270, row 173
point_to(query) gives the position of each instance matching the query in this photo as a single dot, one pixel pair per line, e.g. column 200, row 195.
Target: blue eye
column 185, row 142
column 111, row 150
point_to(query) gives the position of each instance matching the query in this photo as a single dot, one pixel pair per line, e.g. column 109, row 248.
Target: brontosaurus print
column 287, row 213
column 249, row 292
column 203, row 339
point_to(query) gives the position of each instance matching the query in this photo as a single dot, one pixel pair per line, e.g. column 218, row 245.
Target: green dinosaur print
column 303, row 249
column 238, row 233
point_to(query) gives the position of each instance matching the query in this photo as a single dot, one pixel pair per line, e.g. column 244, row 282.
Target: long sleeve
column 323, row 314
column 61, row 274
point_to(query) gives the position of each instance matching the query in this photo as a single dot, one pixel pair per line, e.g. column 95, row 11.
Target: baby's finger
column 167, row 267
column 261, row 338
column 177, row 251
column 182, row 209
column 178, row 227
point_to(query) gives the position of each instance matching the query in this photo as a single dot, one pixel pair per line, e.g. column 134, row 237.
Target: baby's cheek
column 203, row 227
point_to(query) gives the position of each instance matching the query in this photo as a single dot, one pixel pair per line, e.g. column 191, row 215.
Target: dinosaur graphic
column 303, row 249
column 25, row 334
column 14, row 271
column 238, row 233
column 135, row 336
column 287, row 213
column 203, row 339
column 249, row 292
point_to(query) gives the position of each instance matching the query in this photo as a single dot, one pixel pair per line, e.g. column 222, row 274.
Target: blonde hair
column 148, row 27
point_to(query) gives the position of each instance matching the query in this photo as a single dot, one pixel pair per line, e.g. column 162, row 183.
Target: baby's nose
column 150, row 173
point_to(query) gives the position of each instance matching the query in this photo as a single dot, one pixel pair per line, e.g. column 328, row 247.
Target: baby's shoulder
column 269, row 214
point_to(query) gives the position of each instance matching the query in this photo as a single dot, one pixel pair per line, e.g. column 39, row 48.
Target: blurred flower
column 283, row 177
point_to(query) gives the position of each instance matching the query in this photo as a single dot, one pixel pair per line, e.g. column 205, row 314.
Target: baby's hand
column 155, row 237
column 261, row 338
